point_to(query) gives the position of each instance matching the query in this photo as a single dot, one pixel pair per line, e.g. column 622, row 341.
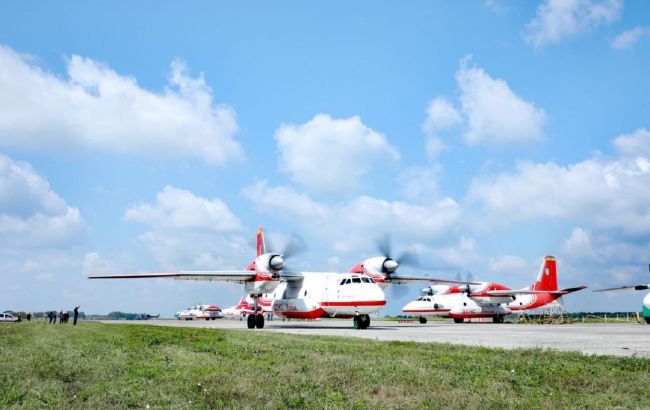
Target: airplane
column 646, row 299
column 207, row 312
column 486, row 299
column 244, row 307
column 305, row 295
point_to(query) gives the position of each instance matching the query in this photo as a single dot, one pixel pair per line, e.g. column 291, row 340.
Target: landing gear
column 255, row 320
column 361, row 321
column 259, row 321
column 423, row 320
column 647, row 320
column 458, row 320
column 497, row 319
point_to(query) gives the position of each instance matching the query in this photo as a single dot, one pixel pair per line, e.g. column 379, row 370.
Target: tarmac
column 616, row 339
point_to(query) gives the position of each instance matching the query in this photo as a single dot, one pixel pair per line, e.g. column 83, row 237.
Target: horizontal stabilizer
column 512, row 292
column 631, row 287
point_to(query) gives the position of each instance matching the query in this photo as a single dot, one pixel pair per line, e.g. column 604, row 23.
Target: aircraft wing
column 513, row 292
column 239, row 276
column 405, row 280
column 631, row 287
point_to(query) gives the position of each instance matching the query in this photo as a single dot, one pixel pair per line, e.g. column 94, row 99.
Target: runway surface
column 601, row 339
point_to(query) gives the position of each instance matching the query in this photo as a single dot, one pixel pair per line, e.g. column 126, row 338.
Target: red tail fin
column 547, row 278
column 261, row 247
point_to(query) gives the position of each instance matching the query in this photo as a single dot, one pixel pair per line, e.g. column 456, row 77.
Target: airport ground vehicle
column 7, row 317
column 488, row 300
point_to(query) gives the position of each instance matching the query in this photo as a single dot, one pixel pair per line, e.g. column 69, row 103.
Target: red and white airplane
column 306, row 295
column 207, row 312
column 245, row 307
column 487, row 299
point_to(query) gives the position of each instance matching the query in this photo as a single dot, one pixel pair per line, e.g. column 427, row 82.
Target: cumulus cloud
column 31, row 214
column 494, row 112
column 347, row 148
column 441, row 116
column 284, row 201
column 509, row 264
column 627, row 39
column 96, row 108
column 636, row 144
column 489, row 112
column 579, row 246
column 557, row 20
column 180, row 209
column 605, row 193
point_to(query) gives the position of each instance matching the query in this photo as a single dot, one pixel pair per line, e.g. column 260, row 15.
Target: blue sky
column 156, row 136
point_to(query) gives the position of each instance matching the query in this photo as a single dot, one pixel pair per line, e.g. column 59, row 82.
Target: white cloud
column 330, row 156
column 180, row 209
column 94, row 264
column 627, row 39
column 604, row 193
column 495, row 114
column 31, row 214
column 284, row 201
column 636, row 144
column 509, row 265
column 420, row 183
column 96, row 108
column 579, row 246
column 557, row 20
column 441, row 115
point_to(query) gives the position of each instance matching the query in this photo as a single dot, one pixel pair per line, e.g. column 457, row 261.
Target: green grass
column 118, row 366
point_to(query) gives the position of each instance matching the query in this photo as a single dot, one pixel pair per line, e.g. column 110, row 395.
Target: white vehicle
column 7, row 317
column 205, row 312
column 307, row 295
column 488, row 300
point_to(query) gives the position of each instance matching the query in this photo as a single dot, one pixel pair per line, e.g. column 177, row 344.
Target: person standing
column 75, row 315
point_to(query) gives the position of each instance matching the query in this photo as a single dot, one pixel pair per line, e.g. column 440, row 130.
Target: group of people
column 63, row 316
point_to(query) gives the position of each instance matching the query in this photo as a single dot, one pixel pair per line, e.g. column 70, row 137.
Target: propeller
column 293, row 246
column 408, row 258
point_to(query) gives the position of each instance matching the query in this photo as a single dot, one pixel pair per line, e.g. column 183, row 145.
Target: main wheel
column 647, row 319
column 458, row 320
column 364, row 321
column 250, row 321
column 259, row 321
column 423, row 320
column 497, row 319
column 356, row 322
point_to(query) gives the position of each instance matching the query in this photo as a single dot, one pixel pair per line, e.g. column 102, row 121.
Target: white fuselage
column 327, row 294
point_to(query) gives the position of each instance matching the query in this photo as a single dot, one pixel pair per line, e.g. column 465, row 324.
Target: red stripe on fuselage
column 356, row 303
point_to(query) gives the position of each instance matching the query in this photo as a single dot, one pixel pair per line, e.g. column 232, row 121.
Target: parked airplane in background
column 487, row 299
column 646, row 299
column 245, row 307
column 306, row 295
column 207, row 312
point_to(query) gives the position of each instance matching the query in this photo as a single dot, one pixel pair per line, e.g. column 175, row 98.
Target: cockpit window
column 365, row 280
column 342, row 282
column 348, row 281
column 356, row 280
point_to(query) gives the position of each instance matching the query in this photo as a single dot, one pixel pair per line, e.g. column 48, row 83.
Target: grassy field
column 116, row 366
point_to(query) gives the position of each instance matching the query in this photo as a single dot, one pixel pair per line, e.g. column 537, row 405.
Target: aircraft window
column 365, row 280
column 305, row 293
column 372, row 280
column 428, row 300
column 348, row 281
column 356, row 280
column 342, row 282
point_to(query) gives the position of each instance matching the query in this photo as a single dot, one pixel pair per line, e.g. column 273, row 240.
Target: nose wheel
column 423, row 320
column 361, row 321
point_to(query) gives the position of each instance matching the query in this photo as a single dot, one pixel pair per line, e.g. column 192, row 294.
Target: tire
column 250, row 321
column 259, row 321
column 458, row 320
column 647, row 319
column 356, row 322
column 364, row 321
column 497, row 319
column 423, row 320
